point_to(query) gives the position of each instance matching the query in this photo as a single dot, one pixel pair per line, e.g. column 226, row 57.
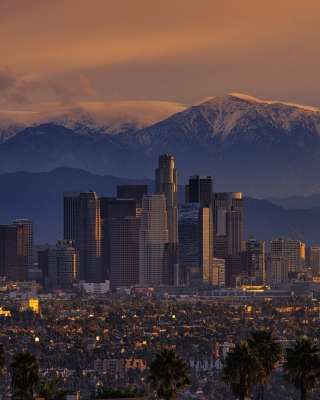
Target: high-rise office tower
column 257, row 249
column 124, row 251
column 153, row 237
column 14, row 263
column 228, row 223
column 234, row 267
column 314, row 260
column 69, row 214
column 29, row 224
column 63, row 265
column 133, row 192
column 88, row 236
column 167, row 184
column 200, row 189
column 112, row 207
column 218, row 273
column 206, row 246
column 276, row 269
column 292, row 250
column 189, row 244
column 196, row 245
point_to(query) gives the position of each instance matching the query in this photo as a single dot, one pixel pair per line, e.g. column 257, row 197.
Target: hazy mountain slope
column 39, row 196
column 296, row 202
column 267, row 221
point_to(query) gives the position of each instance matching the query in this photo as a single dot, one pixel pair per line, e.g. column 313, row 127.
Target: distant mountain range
column 257, row 147
column 38, row 196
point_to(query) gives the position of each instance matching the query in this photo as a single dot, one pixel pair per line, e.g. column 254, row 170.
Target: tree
column 2, row 358
column 269, row 352
column 48, row 390
column 168, row 373
column 242, row 370
column 25, row 372
column 302, row 365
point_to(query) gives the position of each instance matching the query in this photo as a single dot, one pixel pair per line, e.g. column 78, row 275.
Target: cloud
column 7, row 80
column 74, row 90
column 111, row 114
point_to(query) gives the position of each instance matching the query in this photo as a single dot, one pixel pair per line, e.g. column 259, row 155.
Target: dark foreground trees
column 2, row 358
column 269, row 352
column 242, row 370
column 25, row 373
column 168, row 373
column 302, row 365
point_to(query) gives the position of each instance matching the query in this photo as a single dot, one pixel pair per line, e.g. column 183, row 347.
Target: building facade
column 200, row 189
column 14, row 252
column 152, row 239
column 88, row 236
column 124, row 251
column 112, row 208
column 228, row 223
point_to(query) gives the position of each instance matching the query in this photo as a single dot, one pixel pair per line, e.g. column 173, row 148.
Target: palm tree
column 269, row 352
column 168, row 373
column 302, row 365
column 46, row 389
column 2, row 358
column 25, row 372
column 242, row 370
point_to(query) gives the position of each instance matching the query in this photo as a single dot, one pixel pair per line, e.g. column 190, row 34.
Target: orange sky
column 178, row 51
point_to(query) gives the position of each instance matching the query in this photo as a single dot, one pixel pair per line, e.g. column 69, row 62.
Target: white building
column 96, row 288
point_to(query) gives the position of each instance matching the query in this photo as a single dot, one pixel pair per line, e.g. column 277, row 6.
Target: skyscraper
column 63, row 265
column 276, row 269
column 314, row 260
column 29, row 224
column 200, row 189
column 292, row 250
column 124, row 251
column 69, row 214
column 133, row 192
column 14, row 252
column 257, row 249
column 153, row 237
column 167, row 184
column 189, row 244
column 206, row 246
column 88, row 236
column 112, row 207
column 228, row 223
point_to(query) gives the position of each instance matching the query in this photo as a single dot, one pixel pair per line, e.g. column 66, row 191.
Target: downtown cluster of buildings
column 150, row 240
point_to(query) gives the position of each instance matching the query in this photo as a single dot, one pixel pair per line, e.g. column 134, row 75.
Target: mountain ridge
column 258, row 147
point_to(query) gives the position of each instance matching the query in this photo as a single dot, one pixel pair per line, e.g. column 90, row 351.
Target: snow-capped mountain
column 261, row 148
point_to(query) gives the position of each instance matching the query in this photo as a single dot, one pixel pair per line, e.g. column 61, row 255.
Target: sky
column 155, row 57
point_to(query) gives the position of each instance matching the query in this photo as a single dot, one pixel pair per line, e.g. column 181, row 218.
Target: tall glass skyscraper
column 88, row 236
column 153, row 237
